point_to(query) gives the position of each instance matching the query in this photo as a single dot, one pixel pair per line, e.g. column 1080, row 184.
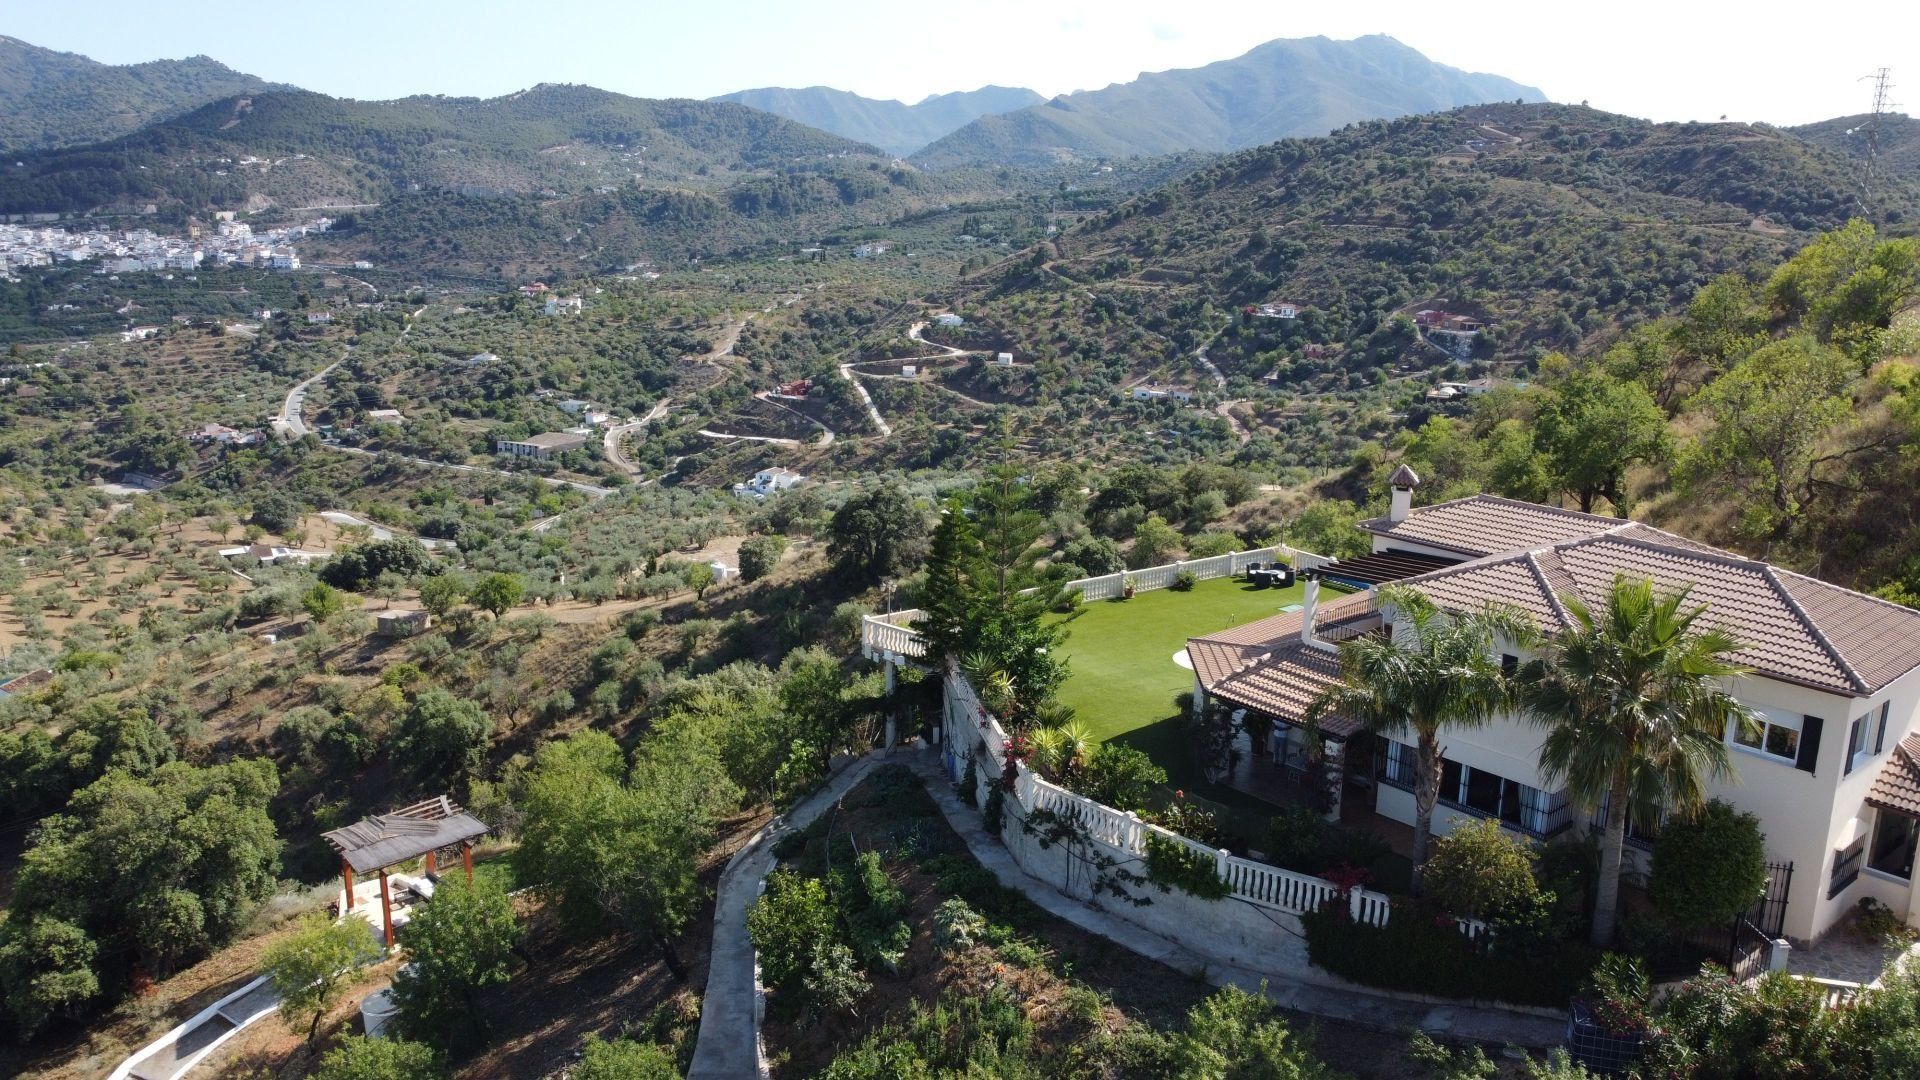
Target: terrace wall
column 1260, row 916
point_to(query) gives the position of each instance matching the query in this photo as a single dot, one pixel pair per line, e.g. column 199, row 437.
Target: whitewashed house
column 768, row 482
column 1829, row 763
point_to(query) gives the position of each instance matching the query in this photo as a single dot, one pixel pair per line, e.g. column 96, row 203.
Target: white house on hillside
column 768, row 482
column 1830, row 762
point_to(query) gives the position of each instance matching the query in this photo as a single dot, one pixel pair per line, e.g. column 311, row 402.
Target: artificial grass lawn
column 1120, row 652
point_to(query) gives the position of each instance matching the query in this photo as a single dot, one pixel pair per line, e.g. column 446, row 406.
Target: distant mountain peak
column 893, row 126
column 1283, row 88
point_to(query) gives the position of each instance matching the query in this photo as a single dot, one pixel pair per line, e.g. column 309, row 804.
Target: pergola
column 383, row 840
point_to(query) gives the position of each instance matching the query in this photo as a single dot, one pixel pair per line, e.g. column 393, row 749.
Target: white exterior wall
column 1806, row 817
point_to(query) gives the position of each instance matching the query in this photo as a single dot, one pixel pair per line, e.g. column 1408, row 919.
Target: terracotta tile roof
column 1898, row 785
column 1795, row 628
column 1487, row 524
column 1265, row 666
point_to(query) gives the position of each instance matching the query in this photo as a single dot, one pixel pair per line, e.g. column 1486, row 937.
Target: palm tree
column 1635, row 713
column 1436, row 670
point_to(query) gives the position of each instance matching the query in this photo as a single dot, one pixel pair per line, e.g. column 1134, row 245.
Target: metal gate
column 1769, row 914
column 1750, row 944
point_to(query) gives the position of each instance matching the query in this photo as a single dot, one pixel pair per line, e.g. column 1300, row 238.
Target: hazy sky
column 1674, row 60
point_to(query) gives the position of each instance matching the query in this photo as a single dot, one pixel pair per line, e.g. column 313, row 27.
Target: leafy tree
column 323, row 602
column 1480, row 871
column 1155, row 542
column 276, row 513
column 1437, row 670
column 496, row 593
column 1095, row 556
column 790, row 924
column 1591, row 429
column 137, row 870
column 1120, row 776
column 619, row 848
column 1636, row 718
column 440, row 593
column 1771, row 414
column 760, row 555
column 311, row 967
column 624, row 1059
column 1709, row 867
column 357, row 567
column 442, row 732
column 456, row 946
column 876, row 535
column 1846, row 285
column 367, row 1057
column 1329, row 527
column 700, row 579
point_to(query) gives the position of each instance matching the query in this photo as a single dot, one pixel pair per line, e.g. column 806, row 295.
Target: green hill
column 1899, row 140
column 1557, row 224
column 51, row 99
column 301, row 148
column 894, row 126
column 1282, row 89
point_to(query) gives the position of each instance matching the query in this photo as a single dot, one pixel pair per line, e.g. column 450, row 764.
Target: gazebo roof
column 407, row 833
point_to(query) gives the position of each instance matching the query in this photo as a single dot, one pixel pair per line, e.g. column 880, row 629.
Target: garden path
column 729, row 1041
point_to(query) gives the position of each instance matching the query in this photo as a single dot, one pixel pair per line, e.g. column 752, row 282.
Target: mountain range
column 51, row 99
column 1282, row 89
column 893, row 126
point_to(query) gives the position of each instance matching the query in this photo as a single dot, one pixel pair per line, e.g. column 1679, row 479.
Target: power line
column 1882, row 105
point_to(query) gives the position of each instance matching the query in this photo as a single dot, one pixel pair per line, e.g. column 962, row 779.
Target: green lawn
column 1121, row 651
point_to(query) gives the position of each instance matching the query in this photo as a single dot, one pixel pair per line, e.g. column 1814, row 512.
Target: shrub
column 1184, row 581
column 1480, row 871
column 624, row 1059
column 1305, row 842
column 1120, row 777
column 956, row 925
column 872, row 906
column 1420, row 951
column 363, row 1057
column 441, row 732
column 1174, row 865
column 759, row 555
column 789, row 925
column 834, row 980
column 1776, row 1027
column 993, row 813
column 1709, row 868
column 456, row 946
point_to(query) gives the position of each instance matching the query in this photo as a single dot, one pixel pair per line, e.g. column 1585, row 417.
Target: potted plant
column 1609, row 1022
column 1126, row 587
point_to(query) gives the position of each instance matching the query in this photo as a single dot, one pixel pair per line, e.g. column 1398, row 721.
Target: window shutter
column 1880, row 738
column 1809, row 743
column 1853, row 740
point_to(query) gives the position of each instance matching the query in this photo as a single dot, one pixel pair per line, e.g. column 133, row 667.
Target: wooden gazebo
column 384, row 840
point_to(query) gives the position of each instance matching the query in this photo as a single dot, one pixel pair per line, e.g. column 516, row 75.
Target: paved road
column 873, row 411
column 611, row 443
column 381, row 532
column 288, row 422
column 591, row 489
column 728, row 1047
column 826, row 432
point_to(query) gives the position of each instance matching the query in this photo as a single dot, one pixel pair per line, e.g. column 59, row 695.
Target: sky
column 1674, row 60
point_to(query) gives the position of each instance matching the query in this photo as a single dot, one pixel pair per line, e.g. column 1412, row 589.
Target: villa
column 1830, row 764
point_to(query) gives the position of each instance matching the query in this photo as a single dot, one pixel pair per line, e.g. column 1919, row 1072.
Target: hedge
column 1420, row 951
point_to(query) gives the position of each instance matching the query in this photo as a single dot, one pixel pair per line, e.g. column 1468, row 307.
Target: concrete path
column 1290, row 981
column 729, row 1042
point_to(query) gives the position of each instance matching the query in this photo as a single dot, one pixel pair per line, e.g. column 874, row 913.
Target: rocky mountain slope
column 893, row 126
column 51, row 99
column 1283, row 89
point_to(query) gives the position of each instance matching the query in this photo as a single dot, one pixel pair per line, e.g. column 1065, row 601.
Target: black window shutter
column 1809, row 743
column 1880, row 739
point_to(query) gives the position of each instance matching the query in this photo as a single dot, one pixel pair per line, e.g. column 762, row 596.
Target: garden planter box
column 1599, row 1049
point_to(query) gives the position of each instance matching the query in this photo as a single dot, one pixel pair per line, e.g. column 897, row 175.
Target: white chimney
column 1310, row 605
column 1403, row 481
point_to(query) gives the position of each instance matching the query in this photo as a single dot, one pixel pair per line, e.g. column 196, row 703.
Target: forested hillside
column 296, row 148
column 1899, row 141
column 1556, row 225
column 51, row 99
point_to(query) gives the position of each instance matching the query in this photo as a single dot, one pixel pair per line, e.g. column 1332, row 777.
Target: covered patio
column 374, row 845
